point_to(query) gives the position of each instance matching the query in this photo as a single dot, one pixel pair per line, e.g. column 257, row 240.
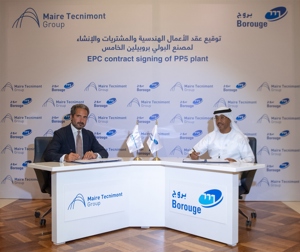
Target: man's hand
column 89, row 155
column 71, row 157
column 195, row 155
column 230, row 159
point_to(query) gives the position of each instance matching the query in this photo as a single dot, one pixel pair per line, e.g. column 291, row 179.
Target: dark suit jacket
column 63, row 143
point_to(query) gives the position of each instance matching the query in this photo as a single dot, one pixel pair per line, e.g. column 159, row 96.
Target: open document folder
column 189, row 160
column 97, row 160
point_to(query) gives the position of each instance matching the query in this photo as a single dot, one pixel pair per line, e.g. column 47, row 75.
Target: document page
column 97, row 160
column 189, row 160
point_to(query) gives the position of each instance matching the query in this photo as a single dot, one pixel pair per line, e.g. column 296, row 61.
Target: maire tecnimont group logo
column 55, row 20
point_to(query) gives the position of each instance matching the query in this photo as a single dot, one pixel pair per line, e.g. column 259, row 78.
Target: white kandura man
column 226, row 142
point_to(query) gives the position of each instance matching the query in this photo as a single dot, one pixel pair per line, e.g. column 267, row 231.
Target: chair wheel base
column 37, row 214
column 43, row 222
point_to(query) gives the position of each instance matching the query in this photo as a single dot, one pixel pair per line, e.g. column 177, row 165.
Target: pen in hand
column 194, row 155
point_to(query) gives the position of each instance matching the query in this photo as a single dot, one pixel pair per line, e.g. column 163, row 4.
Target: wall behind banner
column 174, row 62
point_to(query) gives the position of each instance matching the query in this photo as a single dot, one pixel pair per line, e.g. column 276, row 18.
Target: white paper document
column 97, row 160
column 189, row 160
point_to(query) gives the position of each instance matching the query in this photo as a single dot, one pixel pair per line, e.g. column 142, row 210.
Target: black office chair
column 246, row 183
column 43, row 177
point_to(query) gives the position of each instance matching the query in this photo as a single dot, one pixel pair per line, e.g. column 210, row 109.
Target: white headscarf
column 227, row 112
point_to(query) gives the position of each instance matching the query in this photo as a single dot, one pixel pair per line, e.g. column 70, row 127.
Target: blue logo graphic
column 69, row 85
column 197, row 101
column 241, row 117
column 27, row 132
column 154, row 85
column 154, row 117
column 241, row 85
column 197, row 133
column 79, row 197
column 211, row 198
column 27, row 101
column 9, row 85
column 111, row 101
column 284, row 101
column 134, row 100
column 111, row 132
column 284, row 133
column 26, row 163
column 92, row 84
column 28, row 13
column 284, row 165
column 49, row 100
column 8, row 116
column 276, row 14
column 155, row 141
column 67, row 117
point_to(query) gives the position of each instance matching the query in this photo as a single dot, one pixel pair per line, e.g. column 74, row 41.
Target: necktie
column 79, row 146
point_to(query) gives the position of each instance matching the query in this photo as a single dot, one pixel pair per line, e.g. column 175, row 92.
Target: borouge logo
column 276, row 13
column 284, row 101
column 111, row 101
column 154, row 85
column 241, row 85
column 78, row 198
column 154, row 117
column 284, row 133
column 197, row 133
column 197, row 101
column 29, row 13
column 241, row 117
column 111, row 132
column 69, row 85
column 284, row 165
column 27, row 132
column 211, row 198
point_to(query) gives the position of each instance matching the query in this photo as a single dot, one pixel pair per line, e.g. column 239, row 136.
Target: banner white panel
column 165, row 61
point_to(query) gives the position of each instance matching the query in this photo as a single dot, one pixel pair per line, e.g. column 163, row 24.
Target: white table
column 90, row 199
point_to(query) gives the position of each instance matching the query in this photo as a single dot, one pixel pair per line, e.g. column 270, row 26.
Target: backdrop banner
column 147, row 61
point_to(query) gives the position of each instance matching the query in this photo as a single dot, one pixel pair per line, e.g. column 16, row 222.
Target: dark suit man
column 63, row 145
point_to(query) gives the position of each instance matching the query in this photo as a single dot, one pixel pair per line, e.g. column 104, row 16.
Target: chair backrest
column 43, row 177
column 252, row 143
column 248, row 176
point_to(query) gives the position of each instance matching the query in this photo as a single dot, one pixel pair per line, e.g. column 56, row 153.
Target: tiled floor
column 295, row 205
